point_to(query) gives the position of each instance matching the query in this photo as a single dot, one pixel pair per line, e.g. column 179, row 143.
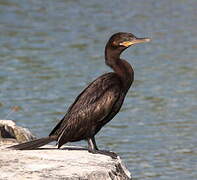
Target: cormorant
column 98, row 103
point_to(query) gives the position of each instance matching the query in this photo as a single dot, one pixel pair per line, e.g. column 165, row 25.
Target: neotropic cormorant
column 98, row 103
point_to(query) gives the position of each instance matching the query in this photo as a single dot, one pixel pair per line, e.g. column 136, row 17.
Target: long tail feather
column 33, row 144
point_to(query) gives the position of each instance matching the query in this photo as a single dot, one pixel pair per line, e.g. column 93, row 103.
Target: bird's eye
column 115, row 43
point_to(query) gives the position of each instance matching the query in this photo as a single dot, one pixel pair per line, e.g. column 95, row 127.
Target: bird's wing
column 90, row 107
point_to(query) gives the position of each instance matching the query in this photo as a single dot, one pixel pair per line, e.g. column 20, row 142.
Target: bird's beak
column 134, row 41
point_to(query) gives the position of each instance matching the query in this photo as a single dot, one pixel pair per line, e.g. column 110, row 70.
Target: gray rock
column 48, row 162
column 9, row 131
column 52, row 163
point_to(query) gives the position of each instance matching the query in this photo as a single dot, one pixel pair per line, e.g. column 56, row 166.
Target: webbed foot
column 113, row 155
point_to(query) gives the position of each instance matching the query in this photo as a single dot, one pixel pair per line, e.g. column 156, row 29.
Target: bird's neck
column 120, row 67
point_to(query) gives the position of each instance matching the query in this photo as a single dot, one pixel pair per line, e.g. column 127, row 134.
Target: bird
column 98, row 103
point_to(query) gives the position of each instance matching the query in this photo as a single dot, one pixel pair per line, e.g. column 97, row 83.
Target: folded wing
column 90, row 108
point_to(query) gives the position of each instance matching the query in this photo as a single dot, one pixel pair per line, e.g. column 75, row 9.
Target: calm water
column 50, row 50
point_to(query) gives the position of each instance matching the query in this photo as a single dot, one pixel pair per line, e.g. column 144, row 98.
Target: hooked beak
column 135, row 41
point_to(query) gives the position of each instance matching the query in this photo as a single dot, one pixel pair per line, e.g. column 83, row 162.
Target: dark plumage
column 98, row 103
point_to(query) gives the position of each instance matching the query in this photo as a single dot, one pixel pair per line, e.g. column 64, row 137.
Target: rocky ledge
column 70, row 163
column 10, row 132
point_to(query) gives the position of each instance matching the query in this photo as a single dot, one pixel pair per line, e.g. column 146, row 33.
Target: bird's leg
column 94, row 142
column 92, row 148
column 92, row 145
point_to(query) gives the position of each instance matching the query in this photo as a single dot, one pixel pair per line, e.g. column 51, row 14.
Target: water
column 50, row 50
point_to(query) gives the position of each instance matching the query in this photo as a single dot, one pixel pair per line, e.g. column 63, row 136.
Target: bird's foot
column 113, row 155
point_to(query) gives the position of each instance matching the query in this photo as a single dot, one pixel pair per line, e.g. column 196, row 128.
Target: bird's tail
column 33, row 144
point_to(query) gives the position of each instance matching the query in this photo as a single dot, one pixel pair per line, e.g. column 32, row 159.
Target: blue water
column 50, row 50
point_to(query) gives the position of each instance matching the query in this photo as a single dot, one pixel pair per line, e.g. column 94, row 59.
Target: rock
column 9, row 131
column 68, row 163
column 48, row 162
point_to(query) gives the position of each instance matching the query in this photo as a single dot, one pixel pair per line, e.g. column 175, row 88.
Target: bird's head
column 122, row 40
